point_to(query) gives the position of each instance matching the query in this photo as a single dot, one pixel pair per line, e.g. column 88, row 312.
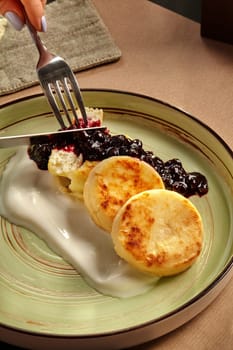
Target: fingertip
column 39, row 24
column 14, row 20
column 43, row 24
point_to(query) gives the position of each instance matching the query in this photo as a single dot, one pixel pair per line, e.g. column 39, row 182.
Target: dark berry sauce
column 99, row 145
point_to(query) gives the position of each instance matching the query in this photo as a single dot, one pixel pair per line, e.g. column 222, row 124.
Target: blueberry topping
column 99, row 144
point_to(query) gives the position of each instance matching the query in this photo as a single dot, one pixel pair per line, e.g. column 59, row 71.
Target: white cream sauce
column 29, row 198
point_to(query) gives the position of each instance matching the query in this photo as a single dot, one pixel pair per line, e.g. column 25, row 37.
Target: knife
column 44, row 137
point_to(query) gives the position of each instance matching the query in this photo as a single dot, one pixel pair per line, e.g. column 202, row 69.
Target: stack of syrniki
column 157, row 231
column 112, row 182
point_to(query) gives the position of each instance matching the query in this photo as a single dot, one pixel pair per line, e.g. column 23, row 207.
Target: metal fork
column 57, row 80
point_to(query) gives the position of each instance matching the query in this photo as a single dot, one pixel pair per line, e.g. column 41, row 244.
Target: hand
column 12, row 10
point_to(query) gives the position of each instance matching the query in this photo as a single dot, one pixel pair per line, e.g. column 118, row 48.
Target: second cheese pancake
column 112, row 182
column 158, row 231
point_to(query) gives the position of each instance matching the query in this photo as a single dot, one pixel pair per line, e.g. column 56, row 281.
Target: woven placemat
column 75, row 32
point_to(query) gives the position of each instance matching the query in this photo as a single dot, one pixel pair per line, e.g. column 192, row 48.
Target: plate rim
column 225, row 272
column 140, row 95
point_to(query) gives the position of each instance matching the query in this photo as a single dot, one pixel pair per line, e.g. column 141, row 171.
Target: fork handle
column 45, row 55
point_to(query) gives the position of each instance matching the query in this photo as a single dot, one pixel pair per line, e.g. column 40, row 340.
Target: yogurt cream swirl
column 30, row 198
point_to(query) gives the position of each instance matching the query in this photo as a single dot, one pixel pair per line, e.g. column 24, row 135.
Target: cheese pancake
column 112, row 182
column 159, row 232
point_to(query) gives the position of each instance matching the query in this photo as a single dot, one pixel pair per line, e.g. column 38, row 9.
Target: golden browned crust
column 112, row 182
column 159, row 232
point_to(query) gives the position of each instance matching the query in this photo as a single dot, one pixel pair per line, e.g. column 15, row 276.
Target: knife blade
column 30, row 139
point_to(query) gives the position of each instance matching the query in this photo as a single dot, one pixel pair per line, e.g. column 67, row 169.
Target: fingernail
column 14, row 20
column 43, row 24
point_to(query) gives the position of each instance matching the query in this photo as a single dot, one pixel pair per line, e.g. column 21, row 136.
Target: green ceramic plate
column 45, row 302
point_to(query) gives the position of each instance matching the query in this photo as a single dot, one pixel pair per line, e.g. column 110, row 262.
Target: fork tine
column 77, row 93
column 51, row 99
column 53, row 89
column 57, row 88
column 71, row 103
